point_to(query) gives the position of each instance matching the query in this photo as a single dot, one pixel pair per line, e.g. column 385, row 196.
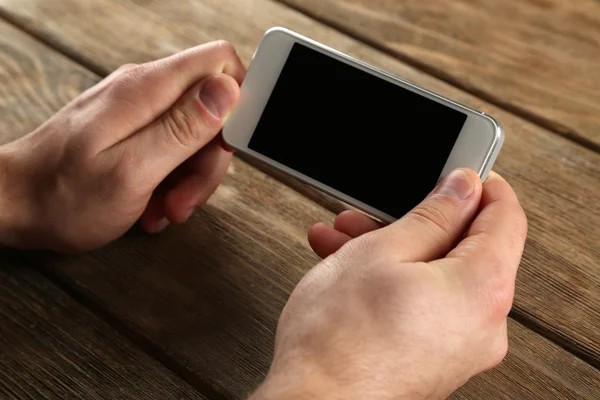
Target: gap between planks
column 305, row 190
column 551, row 126
column 562, row 342
column 55, row 45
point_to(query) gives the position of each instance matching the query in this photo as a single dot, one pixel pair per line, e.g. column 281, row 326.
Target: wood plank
column 42, row 82
column 557, row 181
column 208, row 294
column 53, row 348
column 538, row 58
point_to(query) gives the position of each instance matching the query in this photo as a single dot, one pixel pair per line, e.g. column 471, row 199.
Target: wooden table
column 191, row 313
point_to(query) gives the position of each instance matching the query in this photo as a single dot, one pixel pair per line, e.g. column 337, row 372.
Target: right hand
column 408, row 311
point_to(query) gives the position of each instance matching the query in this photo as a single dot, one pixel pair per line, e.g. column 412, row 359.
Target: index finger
column 193, row 64
column 493, row 245
column 138, row 94
column 162, row 82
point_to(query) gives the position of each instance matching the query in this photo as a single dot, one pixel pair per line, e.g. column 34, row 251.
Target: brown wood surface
column 540, row 58
column 214, row 307
column 53, row 348
column 557, row 180
column 207, row 295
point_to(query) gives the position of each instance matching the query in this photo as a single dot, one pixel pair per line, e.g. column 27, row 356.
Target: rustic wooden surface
column 539, row 58
column 52, row 348
column 204, row 297
column 558, row 181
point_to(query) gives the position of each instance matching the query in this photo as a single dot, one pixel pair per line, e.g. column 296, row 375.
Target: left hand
column 142, row 145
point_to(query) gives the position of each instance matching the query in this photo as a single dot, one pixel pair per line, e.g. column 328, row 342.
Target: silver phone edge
column 354, row 203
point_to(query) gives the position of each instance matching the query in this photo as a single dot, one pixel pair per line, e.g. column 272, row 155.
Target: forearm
column 12, row 204
column 5, row 216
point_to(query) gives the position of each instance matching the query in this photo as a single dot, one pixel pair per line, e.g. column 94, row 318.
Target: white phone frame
column 476, row 147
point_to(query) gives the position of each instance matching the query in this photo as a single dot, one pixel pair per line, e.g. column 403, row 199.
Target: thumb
column 432, row 228
column 192, row 123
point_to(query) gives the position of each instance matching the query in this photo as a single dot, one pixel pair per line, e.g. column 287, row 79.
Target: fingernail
column 162, row 224
column 216, row 96
column 457, row 184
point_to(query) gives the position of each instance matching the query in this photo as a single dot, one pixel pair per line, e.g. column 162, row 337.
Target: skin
column 140, row 145
column 410, row 310
column 407, row 311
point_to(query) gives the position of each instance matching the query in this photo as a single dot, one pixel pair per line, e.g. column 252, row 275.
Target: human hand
column 142, row 145
column 408, row 311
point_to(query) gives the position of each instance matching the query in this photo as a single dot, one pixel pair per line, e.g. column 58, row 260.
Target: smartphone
column 364, row 136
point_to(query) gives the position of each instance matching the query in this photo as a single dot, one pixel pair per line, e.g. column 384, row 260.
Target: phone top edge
column 302, row 38
column 278, row 28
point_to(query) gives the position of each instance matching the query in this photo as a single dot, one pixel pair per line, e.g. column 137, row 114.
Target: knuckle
column 127, row 77
column 226, row 47
column 521, row 223
column 181, row 126
column 133, row 71
column 432, row 215
column 498, row 351
column 501, row 299
column 499, row 293
column 126, row 67
column 123, row 84
column 495, row 287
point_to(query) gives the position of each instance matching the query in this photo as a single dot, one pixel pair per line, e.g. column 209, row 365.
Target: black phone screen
column 359, row 134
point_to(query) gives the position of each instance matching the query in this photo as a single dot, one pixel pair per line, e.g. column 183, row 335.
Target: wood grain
column 43, row 82
column 558, row 182
column 538, row 58
column 53, row 348
column 208, row 294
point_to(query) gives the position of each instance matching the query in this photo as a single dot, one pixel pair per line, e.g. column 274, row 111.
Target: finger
column 153, row 219
column 136, row 95
column 206, row 170
column 494, row 243
column 193, row 122
column 431, row 229
column 325, row 240
column 197, row 62
column 177, row 192
column 355, row 224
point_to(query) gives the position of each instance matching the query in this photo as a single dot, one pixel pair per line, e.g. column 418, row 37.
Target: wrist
column 288, row 386
column 301, row 379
